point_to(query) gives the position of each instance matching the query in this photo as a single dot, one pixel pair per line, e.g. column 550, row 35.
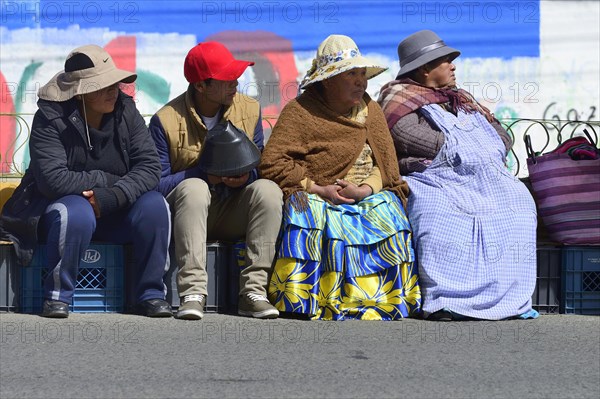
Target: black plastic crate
column 236, row 264
column 547, row 293
column 9, row 279
column 218, row 260
column 581, row 280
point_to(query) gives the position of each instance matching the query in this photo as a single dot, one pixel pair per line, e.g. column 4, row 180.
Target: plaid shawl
column 399, row 98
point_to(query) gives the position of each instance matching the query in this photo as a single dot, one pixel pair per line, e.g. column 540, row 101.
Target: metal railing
column 546, row 135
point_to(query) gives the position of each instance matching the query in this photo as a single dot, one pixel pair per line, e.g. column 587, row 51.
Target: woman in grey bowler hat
column 426, row 62
column 469, row 214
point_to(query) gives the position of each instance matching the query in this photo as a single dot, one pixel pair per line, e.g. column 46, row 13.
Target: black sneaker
column 154, row 308
column 55, row 309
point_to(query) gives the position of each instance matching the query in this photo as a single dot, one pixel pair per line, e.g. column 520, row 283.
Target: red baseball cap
column 212, row 60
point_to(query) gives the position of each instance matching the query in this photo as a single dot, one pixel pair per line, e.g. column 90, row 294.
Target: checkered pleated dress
column 474, row 224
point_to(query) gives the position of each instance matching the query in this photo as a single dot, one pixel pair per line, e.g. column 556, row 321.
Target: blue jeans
column 69, row 225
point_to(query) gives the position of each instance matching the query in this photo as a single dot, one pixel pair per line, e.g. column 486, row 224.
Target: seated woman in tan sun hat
column 346, row 242
column 92, row 174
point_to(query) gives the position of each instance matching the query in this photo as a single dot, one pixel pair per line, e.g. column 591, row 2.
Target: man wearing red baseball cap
column 215, row 206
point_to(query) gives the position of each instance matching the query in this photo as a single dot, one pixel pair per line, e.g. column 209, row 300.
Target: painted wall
column 522, row 59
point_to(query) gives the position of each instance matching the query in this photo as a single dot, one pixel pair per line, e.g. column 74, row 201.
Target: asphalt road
column 125, row 356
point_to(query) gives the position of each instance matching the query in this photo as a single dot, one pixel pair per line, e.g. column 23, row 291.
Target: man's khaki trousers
column 253, row 212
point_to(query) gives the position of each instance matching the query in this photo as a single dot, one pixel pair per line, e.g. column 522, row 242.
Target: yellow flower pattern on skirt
column 360, row 266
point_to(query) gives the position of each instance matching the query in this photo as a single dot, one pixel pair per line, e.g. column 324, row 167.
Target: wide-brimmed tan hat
column 87, row 69
column 421, row 48
column 337, row 54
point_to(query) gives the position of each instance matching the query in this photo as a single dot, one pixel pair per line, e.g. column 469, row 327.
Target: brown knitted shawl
column 310, row 140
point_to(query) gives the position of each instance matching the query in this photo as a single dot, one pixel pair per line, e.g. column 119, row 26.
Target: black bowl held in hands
column 227, row 151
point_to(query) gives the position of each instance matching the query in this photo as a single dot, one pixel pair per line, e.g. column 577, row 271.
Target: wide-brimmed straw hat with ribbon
column 421, row 48
column 337, row 54
column 87, row 69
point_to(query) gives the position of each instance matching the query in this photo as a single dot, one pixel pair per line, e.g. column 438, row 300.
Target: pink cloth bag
column 567, row 192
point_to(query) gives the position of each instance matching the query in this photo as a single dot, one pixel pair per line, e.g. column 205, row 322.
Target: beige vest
column 185, row 131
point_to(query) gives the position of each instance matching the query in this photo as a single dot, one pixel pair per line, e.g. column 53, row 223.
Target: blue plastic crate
column 581, row 280
column 99, row 285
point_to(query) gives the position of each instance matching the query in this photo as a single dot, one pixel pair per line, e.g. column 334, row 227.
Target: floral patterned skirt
column 339, row 262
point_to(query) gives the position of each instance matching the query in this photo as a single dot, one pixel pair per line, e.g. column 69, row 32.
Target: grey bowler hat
column 421, row 48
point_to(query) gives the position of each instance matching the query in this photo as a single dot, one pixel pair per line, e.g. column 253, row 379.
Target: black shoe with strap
column 55, row 309
column 448, row 315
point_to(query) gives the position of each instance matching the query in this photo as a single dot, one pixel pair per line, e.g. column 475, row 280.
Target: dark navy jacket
column 59, row 148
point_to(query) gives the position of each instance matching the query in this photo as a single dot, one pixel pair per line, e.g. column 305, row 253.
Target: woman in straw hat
column 93, row 166
column 346, row 242
column 474, row 223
